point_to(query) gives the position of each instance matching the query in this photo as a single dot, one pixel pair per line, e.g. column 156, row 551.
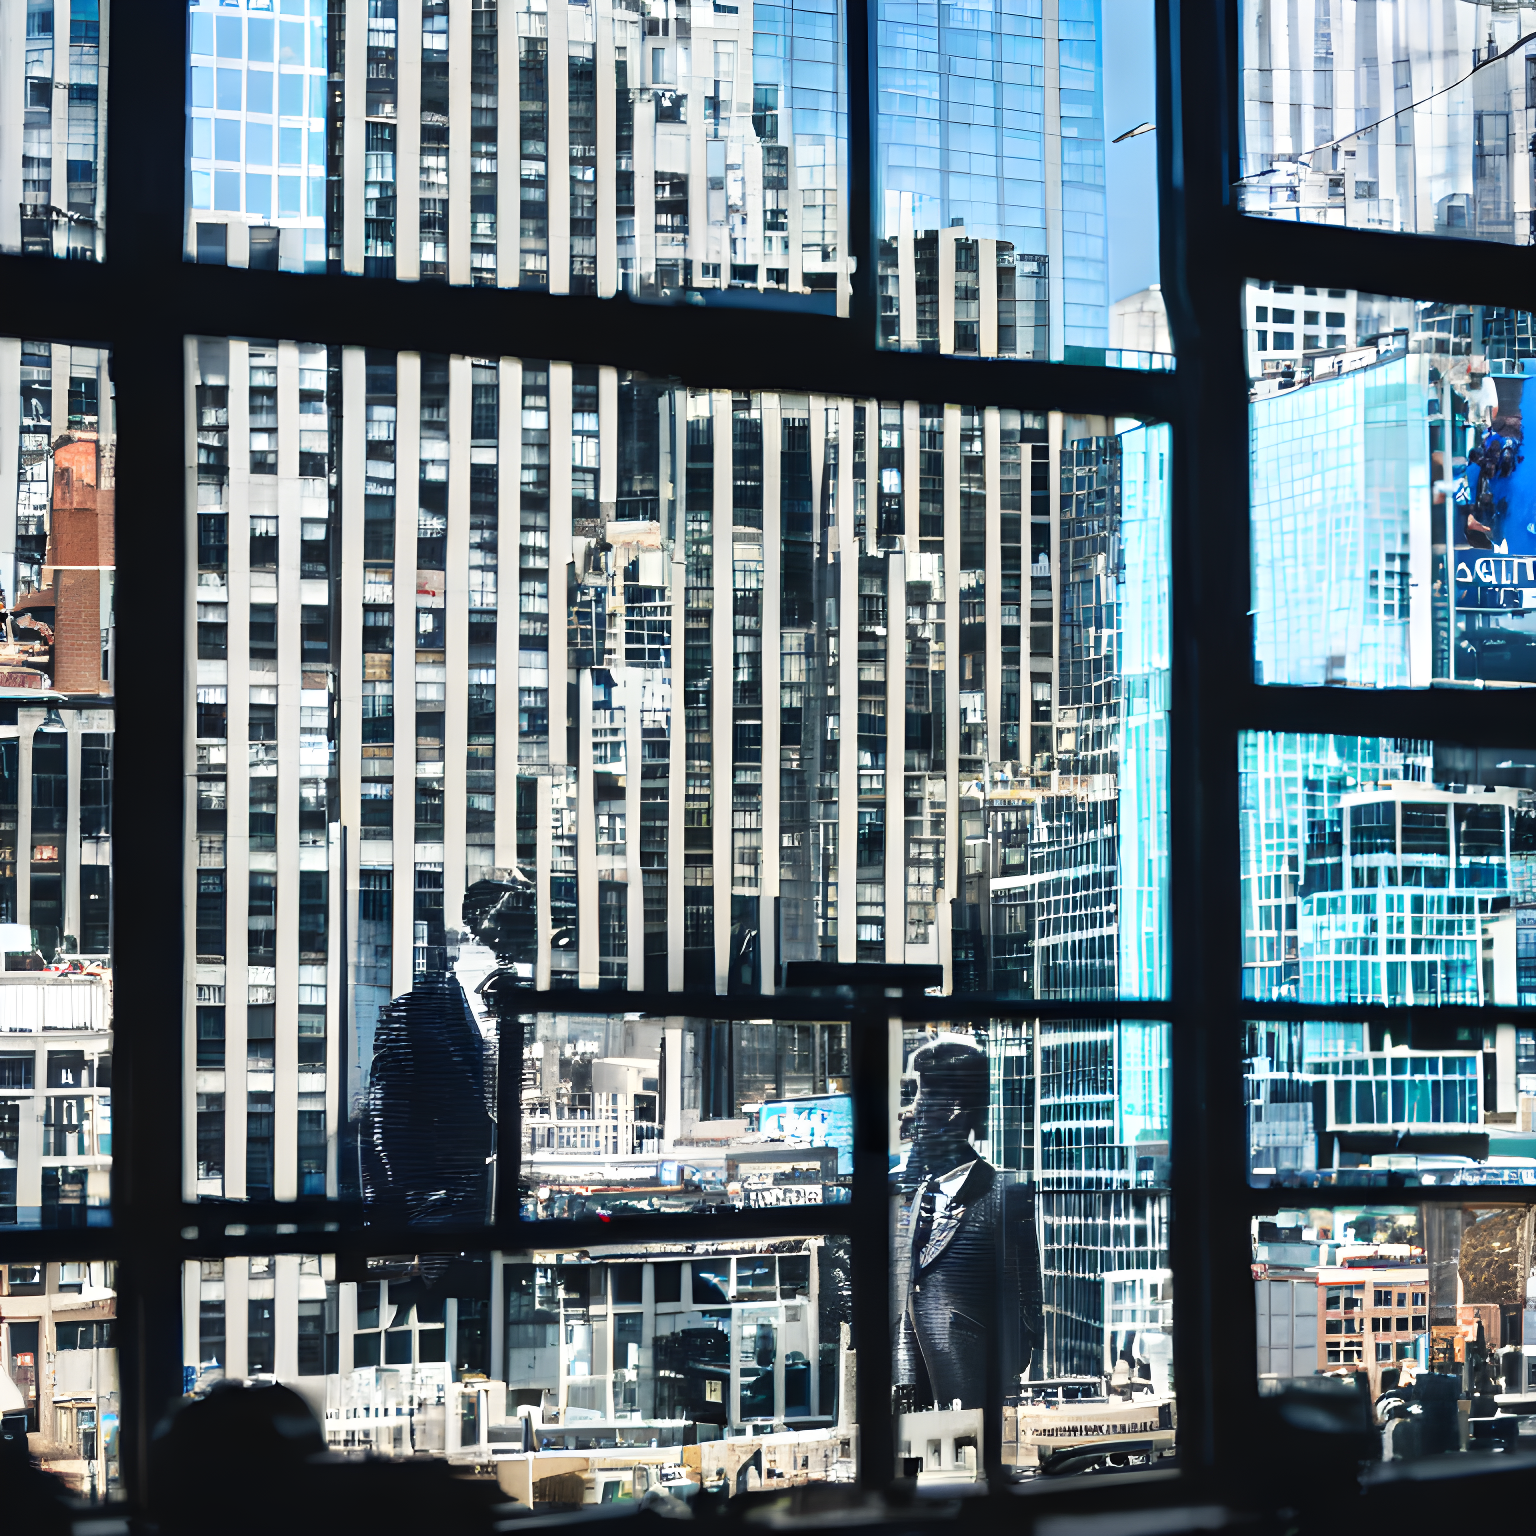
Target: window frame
column 144, row 299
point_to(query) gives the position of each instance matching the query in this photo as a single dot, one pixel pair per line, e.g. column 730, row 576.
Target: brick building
column 1373, row 1316
column 79, row 559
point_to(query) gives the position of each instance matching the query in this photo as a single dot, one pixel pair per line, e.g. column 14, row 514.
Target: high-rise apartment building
column 57, row 656
column 53, row 127
column 1406, row 115
column 592, row 148
column 850, row 773
column 669, row 150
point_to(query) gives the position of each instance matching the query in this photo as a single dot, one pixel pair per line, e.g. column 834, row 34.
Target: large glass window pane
column 875, row 756
column 1030, row 1260
column 56, row 732
column 622, row 1113
column 1386, row 870
column 1017, row 200
column 1406, row 116
column 58, row 1354
column 1390, row 1105
column 673, row 154
column 53, row 164
column 1393, row 506
column 1414, row 1315
column 583, row 1378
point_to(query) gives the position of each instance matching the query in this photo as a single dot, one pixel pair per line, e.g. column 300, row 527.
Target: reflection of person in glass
column 973, row 1288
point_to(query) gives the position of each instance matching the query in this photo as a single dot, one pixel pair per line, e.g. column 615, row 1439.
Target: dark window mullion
column 1375, row 261
column 1212, row 647
column 1467, row 717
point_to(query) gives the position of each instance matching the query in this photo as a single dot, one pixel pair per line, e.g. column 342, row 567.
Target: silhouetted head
column 951, row 1102
column 232, row 1451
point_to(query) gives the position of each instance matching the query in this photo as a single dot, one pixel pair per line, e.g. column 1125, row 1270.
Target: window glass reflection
column 1017, row 182
column 1341, row 1103
column 666, row 152
column 627, row 1114
column 1394, row 515
column 53, row 169
column 59, row 1372
column 1405, row 117
column 789, row 708
column 1030, row 1251
column 1386, row 870
column 57, row 672
column 1418, row 1312
column 569, row 1378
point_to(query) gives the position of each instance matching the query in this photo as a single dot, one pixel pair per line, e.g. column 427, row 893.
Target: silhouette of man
column 973, row 1281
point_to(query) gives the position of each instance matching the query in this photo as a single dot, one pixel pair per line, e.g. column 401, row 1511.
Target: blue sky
column 1130, row 168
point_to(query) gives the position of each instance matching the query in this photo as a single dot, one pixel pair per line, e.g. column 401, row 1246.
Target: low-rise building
column 1375, row 1315
column 58, row 1349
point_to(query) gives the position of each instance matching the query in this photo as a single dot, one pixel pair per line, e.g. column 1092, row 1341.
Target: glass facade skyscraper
column 991, row 177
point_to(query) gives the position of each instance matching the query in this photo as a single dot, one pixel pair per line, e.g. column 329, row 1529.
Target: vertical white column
column 698, row 160
column 509, row 144
column 348, row 540
column 906, row 291
column 953, row 866
column 191, row 1311
column 947, row 238
column 498, row 1317
column 285, row 1316
column 608, row 437
column 677, row 746
column 559, row 531
column 558, row 179
column 237, row 840
column 337, row 902
column 723, row 641
column 1055, row 431
column 456, row 632
column 13, row 47
column 237, row 1296
column 28, row 721
column 586, row 837
column 24, row 1195
column 773, row 670
column 10, row 398
column 543, row 852
column 354, row 135
column 460, row 44
column 509, row 452
column 407, row 479
column 632, row 680
column 408, row 144
column 58, row 376
column 848, row 749
column 285, row 1101
column 986, row 284
column 645, row 173
column 71, row 849
column 607, row 157
column 895, row 757
column 991, row 441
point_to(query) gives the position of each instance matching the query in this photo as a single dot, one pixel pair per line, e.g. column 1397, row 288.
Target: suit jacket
column 972, row 1303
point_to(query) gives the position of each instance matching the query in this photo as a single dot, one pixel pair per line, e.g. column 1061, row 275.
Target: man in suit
column 971, row 1320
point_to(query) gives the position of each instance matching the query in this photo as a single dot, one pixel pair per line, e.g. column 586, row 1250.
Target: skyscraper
column 53, row 127
column 992, row 178
column 588, row 149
